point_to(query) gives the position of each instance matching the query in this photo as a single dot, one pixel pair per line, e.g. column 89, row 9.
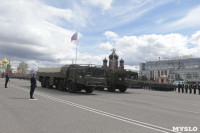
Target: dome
column 4, row 61
column 105, row 60
column 113, row 55
column 121, row 60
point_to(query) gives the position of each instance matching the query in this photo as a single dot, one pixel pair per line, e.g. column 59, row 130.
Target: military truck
column 72, row 78
column 115, row 79
column 132, row 80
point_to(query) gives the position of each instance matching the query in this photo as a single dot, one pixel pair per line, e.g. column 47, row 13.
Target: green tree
column 23, row 67
column 144, row 78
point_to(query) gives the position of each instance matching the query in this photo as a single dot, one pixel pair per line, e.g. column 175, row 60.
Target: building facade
column 113, row 61
column 174, row 69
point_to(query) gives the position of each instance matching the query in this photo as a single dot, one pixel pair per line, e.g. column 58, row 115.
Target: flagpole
column 76, row 45
column 76, row 49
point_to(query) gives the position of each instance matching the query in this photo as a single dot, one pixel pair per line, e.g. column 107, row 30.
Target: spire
column 113, row 55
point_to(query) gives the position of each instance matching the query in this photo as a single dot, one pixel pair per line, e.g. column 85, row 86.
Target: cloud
column 104, row 4
column 191, row 19
column 195, row 38
column 29, row 31
column 106, row 46
column 137, row 49
column 111, row 35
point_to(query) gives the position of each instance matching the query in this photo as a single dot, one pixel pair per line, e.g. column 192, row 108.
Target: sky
column 39, row 31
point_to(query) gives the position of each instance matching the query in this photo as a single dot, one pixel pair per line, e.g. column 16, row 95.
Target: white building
column 174, row 69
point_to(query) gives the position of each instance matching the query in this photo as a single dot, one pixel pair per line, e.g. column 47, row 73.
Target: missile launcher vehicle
column 72, row 78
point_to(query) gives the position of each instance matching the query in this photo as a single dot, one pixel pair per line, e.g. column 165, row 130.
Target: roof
column 50, row 69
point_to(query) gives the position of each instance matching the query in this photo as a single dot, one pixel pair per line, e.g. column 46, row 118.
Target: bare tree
column 23, row 67
column 32, row 71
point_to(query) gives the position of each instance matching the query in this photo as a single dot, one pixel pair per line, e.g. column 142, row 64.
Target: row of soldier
column 188, row 88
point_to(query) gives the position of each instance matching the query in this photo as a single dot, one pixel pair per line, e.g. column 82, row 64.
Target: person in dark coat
column 195, row 87
column 7, row 79
column 179, row 87
column 33, row 86
column 182, row 87
column 186, row 88
column 190, row 88
column 198, row 88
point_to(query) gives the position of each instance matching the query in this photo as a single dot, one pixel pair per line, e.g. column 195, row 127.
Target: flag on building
column 74, row 37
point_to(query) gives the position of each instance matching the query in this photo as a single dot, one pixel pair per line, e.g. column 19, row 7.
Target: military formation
column 189, row 88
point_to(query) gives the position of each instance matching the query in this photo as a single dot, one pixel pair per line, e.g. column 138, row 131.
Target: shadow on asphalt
column 82, row 93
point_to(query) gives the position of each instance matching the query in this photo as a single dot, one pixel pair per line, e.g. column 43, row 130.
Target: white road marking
column 121, row 118
column 33, row 99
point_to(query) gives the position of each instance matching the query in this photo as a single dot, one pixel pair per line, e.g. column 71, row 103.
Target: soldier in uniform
column 190, row 88
column 33, row 86
column 7, row 79
column 179, row 87
column 186, row 88
column 182, row 87
column 194, row 87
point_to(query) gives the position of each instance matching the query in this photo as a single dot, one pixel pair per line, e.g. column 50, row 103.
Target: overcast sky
column 39, row 31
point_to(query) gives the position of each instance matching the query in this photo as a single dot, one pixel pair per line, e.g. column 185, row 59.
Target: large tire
column 111, row 88
column 47, row 84
column 43, row 84
column 89, row 89
column 71, row 87
column 123, row 89
column 61, row 85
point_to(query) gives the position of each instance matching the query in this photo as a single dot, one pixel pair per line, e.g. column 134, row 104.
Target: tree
column 32, row 71
column 23, row 67
column 144, row 78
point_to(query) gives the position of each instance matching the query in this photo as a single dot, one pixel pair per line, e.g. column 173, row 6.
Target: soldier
column 7, row 79
column 179, row 87
column 186, row 88
column 182, row 87
column 190, row 88
column 33, row 86
column 194, row 87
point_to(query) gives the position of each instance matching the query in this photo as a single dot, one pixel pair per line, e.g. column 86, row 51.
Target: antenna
column 58, row 61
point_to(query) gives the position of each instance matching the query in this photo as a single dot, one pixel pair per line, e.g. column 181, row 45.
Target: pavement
column 135, row 111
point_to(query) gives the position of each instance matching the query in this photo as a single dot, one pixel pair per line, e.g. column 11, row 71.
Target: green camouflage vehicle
column 71, row 78
column 115, row 79
column 132, row 80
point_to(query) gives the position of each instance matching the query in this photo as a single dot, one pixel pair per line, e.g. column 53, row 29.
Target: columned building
column 113, row 61
column 175, row 69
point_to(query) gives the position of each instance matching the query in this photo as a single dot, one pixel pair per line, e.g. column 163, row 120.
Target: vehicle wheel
column 71, row 87
column 111, row 88
column 47, row 83
column 123, row 89
column 61, row 85
column 89, row 89
column 43, row 85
